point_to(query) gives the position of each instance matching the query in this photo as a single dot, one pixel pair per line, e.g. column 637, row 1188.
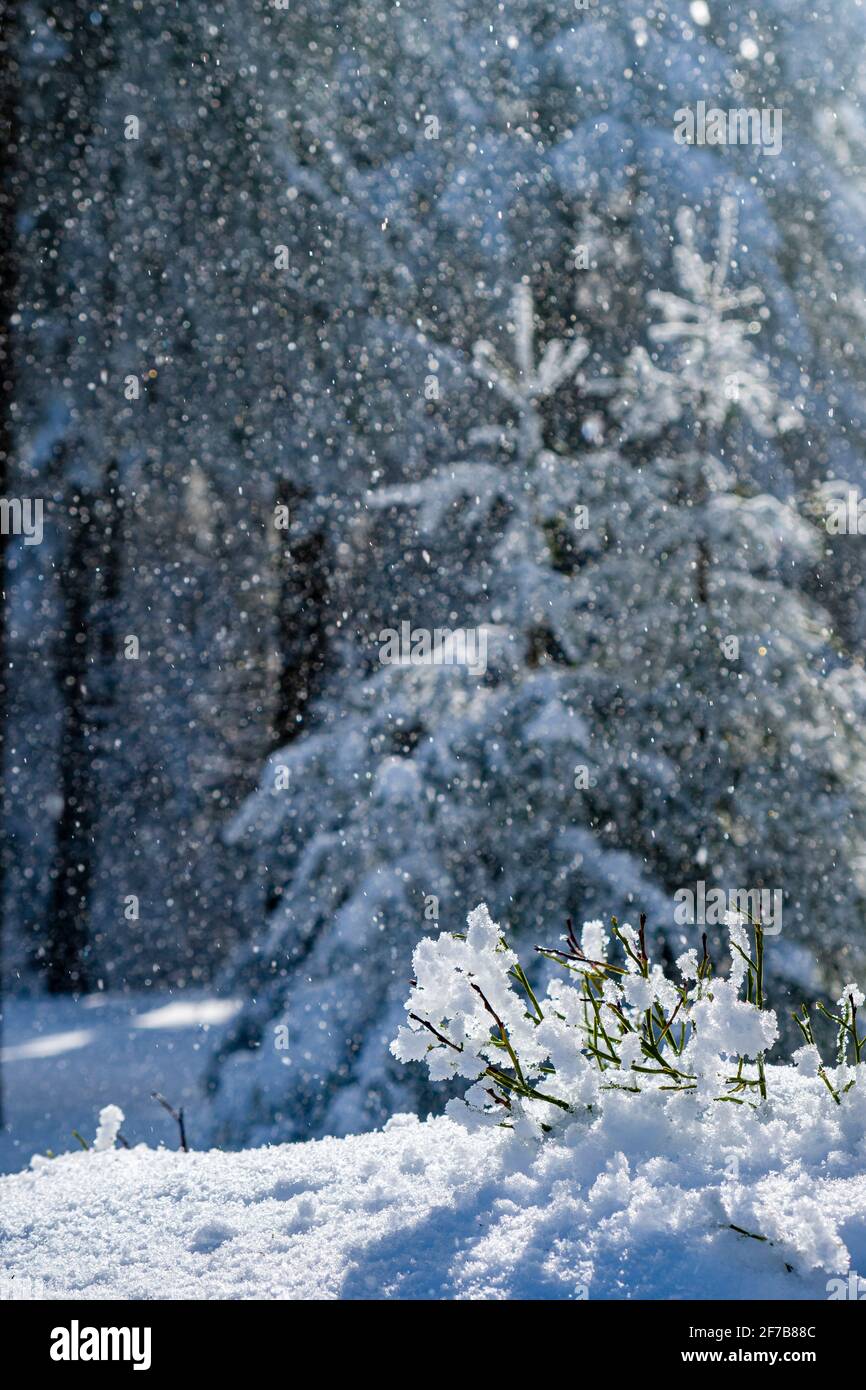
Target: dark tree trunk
column 9, row 136
column 66, row 936
column 89, row 561
column 302, row 603
column 104, row 640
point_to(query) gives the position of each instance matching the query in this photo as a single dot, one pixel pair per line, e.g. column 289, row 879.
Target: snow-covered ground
column 65, row 1058
column 640, row 1201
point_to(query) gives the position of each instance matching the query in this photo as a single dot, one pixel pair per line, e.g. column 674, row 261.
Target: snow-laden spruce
column 614, row 1022
column 664, row 702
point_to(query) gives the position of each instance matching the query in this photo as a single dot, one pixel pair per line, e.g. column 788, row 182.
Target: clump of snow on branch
column 612, row 1024
column 714, row 367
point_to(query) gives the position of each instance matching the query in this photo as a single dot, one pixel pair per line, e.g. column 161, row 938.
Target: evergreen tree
column 736, row 749
column 430, row 785
column 663, row 680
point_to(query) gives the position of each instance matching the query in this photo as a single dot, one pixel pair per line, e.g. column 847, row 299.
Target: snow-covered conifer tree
column 655, row 525
column 658, row 674
column 433, row 782
column 725, row 716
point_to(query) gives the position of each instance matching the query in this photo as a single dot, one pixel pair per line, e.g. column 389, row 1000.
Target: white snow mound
column 637, row 1202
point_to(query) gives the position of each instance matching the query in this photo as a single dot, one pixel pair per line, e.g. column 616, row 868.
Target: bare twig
column 575, row 950
column 503, row 1033
column 436, row 1033
column 176, row 1115
column 644, row 958
column 500, row 1100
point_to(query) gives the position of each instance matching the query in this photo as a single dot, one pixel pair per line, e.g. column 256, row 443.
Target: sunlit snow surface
column 63, row 1059
column 628, row 1205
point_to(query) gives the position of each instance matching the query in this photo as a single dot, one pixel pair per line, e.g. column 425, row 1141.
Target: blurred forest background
column 325, row 317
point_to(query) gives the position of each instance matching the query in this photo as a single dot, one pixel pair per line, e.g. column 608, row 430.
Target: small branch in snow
column 644, row 958
column 500, row 1100
column 176, row 1115
column 436, row 1033
column 751, row 1234
column 503, row 1033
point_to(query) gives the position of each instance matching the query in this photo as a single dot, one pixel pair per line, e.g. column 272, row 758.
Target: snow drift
column 628, row 1204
